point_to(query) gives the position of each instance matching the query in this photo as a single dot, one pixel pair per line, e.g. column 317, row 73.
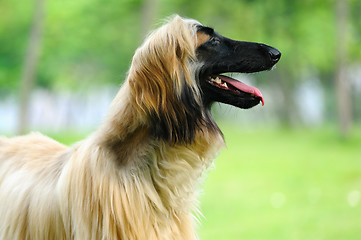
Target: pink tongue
column 243, row 87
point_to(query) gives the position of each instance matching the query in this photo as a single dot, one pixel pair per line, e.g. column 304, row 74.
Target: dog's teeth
column 225, row 85
column 217, row 80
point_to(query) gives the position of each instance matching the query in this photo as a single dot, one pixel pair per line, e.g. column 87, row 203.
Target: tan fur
column 202, row 38
column 120, row 182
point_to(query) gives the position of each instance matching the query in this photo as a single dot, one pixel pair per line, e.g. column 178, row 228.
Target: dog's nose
column 275, row 54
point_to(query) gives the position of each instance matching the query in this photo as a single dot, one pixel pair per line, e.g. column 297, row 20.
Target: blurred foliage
column 93, row 40
column 90, row 42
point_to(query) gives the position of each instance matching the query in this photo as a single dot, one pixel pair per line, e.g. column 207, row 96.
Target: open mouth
column 235, row 87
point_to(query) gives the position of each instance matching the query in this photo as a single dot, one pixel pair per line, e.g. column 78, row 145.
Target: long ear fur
column 162, row 79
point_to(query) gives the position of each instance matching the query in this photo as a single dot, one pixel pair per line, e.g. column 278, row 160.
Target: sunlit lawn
column 281, row 184
column 275, row 184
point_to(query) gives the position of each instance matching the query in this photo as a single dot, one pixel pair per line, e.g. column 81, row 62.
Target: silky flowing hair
column 136, row 177
column 162, row 78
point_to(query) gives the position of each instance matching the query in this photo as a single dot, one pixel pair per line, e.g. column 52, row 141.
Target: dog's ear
column 162, row 80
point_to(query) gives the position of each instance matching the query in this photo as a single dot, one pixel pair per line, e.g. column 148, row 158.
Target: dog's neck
column 165, row 175
column 127, row 130
column 126, row 134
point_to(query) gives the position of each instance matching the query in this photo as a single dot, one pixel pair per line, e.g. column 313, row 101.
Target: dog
column 135, row 177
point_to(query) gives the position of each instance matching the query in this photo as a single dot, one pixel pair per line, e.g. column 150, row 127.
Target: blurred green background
column 291, row 169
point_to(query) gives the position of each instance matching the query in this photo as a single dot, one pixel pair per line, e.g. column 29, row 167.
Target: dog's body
column 136, row 176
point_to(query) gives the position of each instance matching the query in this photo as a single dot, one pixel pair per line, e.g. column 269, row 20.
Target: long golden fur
column 135, row 177
column 124, row 181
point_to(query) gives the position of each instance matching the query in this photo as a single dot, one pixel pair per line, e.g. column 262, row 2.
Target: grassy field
column 281, row 184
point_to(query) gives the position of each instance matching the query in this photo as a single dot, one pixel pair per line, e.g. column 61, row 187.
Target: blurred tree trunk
column 341, row 81
column 149, row 12
column 29, row 65
column 284, row 77
column 285, row 108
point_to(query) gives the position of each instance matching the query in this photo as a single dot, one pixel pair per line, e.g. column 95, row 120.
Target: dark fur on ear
column 180, row 127
column 164, row 84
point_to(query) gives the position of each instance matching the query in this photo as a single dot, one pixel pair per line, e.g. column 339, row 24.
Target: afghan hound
column 136, row 177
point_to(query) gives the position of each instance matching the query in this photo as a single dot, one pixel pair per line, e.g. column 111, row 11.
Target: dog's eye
column 215, row 41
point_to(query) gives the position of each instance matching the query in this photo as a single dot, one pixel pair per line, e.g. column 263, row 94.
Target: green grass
column 281, row 184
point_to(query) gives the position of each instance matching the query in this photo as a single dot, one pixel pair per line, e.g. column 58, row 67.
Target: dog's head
column 176, row 76
column 219, row 55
